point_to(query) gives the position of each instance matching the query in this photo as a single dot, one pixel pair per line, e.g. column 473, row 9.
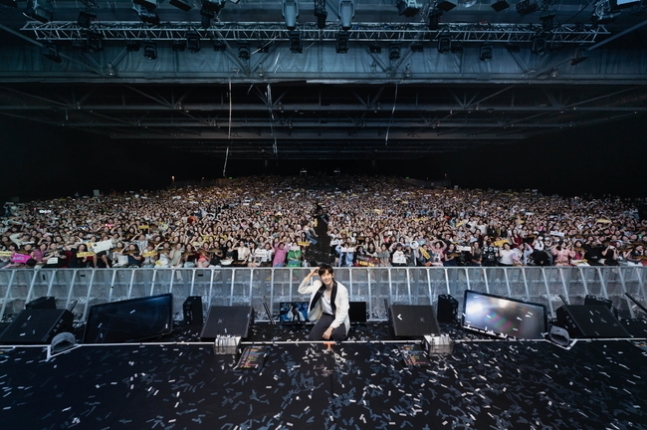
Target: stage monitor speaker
column 595, row 300
column 192, row 309
column 224, row 320
column 47, row 302
column 411, row 321
column 590, row 321
column 447, row 311
column 37, row 326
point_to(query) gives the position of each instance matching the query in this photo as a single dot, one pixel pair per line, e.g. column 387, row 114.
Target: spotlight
column 602, row 13
column 499, row 5
column 243, row 51
column 290, row 13
column 295, row 42
column 445, row 5
column 321, row 13
column 180, row 4
column 205, row 18
column 50, row 51
column 39, row 10
column 219, row 46
column 86, row 18
column 394, row 52
column 132, row 46
column 538, row 46
column 444, row 44
column 525, row 7
column 434, row 18
column 150, row 51
column 95, row 42
column 485, row 53
column 341, row 46
column 408, row 7
column 193, row 42
column 147, row 16
column 417, row 47
column 178, row 45
column 374, row 48
column 346, row 13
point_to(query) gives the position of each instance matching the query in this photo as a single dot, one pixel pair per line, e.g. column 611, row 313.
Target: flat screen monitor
column 130, row 320
column 504, row 317
column 293, row 312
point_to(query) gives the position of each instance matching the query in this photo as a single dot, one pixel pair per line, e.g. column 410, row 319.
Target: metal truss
column 308, row 32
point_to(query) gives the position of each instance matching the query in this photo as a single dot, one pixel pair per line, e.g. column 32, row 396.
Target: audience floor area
column 363, row 383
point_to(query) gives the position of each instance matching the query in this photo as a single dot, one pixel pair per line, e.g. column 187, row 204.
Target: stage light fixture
column 444, row 44
column 485, row 53
column 219, row 45
column 445, row 5
column 434, row 18
column 374, row 48
column 408, row 7
column 525, row 7
column 86, row 18
column 394, row 52
column 178, row 45
column 180, row 4
column 193, row 42
column 290, row 13
column 295, row 42
column 39, row 10
column 417, row 47
column 243, row 51
column 602, row 13
column 95, row 42
column 346, row 13
column 341, row 45
column 146, row 16
column 321, row 13
column 499, row 5
column 538, row 45
column 150, row 51
column 205, row 18
column 132, row 46
column 212, row 5
column 50, row 51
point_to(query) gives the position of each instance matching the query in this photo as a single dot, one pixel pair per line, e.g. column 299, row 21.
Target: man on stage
column 328, row 305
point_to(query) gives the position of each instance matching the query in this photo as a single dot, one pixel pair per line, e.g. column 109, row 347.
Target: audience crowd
column 370, row 221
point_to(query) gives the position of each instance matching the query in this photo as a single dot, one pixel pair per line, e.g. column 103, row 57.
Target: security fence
column 378, row 287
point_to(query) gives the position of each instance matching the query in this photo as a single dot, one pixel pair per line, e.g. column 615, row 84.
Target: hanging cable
column 395, row 99
column 270, row 103
column 224, row 168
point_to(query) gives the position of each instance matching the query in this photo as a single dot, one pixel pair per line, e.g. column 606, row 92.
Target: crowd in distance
column 273, row 221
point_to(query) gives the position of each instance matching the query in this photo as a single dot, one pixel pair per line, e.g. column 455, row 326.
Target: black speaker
column 48, row 302
column 447, row 311
column 222, row 320
column 411, row 321
column 595, row 300
column 590, row 321
column 37, row 326
column 192, row 309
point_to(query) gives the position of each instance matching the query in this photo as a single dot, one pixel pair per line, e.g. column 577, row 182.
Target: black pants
column 322, row 325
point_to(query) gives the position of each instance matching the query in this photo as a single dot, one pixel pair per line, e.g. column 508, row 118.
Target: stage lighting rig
column 485, row 53
column 290, row 13
column 602, row 13
column 39, row 10
column 150, row 51
column 86, row 18
column 346, row 13
column 209, row 10
column 434, row 18
column 146, row 16
column 321, row 13
column 408, row 7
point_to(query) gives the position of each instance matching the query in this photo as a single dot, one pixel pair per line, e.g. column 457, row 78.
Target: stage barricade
column 377, row 286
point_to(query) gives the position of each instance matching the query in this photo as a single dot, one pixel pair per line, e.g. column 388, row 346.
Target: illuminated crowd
column 276, row 221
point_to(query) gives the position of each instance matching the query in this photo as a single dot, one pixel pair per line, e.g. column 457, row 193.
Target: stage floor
column 364, row 384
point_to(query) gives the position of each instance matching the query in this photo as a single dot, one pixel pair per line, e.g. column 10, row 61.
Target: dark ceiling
column 388, row 86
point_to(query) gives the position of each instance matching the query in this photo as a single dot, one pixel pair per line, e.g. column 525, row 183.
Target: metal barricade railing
column 377, row 286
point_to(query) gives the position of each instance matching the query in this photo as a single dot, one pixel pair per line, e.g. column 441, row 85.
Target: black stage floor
column 362, row 384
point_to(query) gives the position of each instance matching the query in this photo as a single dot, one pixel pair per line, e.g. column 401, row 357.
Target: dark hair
column 323, row 268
